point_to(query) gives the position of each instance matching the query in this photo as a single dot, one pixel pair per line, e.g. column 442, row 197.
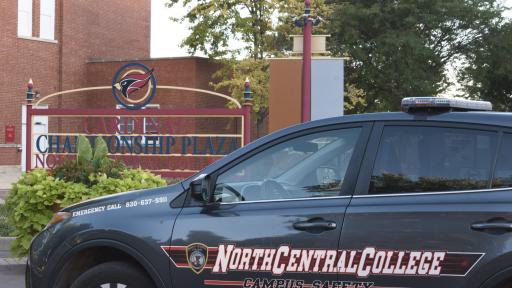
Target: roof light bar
column 443, row 104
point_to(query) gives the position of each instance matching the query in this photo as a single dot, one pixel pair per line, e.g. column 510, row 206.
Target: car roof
column 481, row 118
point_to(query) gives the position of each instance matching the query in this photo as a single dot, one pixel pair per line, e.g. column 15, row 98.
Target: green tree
column 213, row 23
column 355, row 100
column 238, row 71
column 402, row 48
column 280, row 42
column 488, row 75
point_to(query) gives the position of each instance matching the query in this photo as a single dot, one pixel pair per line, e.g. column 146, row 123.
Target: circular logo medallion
column 197, row 255
column 197, row 259
column 134, row 86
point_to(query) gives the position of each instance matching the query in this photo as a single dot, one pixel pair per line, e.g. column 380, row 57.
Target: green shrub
column 89, row 161
column 37, row 195
column 171, row 181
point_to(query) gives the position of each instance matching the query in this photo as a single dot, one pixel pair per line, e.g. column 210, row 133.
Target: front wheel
column 113, row 275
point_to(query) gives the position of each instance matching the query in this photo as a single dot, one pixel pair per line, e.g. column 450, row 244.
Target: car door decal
column 285, row 259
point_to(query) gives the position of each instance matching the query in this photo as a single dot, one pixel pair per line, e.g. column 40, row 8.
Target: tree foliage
column 402, row 48
column 231, row 78
column 488, row 74
column 355, row 100
column 214, row 23
column 288, row 10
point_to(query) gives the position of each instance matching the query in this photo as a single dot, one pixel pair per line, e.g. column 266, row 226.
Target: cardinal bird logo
column 133, row 82
column 134, row 85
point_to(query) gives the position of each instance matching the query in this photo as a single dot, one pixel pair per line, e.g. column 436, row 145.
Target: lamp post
column 306, row 21
column 28, row 136
column 247, row 109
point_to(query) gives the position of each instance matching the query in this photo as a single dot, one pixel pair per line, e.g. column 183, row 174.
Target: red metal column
column 306, row 64
column 247, row 109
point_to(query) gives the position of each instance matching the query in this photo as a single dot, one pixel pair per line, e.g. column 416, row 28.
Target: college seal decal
column 197, row 254
column 134, row 85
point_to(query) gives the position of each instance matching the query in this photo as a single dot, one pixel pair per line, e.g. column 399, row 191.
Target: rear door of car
column 256, row 234
column 427, row 211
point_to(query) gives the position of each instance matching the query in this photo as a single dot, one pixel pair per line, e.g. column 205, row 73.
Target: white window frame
column 47, row 20
column 25, row 18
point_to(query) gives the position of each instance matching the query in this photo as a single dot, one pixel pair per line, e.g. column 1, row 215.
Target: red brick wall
column 21, row 59
column 185, row 72
column 91, row 29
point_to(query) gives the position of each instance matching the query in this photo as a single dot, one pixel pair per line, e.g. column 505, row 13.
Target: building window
column 47, row 24
column 25, row 18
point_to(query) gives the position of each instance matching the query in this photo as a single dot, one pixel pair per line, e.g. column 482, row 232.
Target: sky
column 167, row 35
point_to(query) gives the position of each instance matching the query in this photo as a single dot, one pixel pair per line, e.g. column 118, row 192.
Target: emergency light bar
column 443, row 104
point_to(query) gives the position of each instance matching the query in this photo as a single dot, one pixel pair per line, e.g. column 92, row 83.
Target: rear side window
column 503, row 171
column 430, row 159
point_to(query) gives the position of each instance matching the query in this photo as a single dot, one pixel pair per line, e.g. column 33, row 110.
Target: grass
column 5, row 229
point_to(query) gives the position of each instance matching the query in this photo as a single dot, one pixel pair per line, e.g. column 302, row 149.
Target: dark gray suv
column 421, row 198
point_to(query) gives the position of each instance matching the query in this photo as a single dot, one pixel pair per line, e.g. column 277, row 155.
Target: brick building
column 51, row 41
column 66, row 45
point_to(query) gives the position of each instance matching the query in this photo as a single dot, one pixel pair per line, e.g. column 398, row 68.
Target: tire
column 113, row 275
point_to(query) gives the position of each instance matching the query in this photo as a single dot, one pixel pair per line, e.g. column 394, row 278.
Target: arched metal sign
column 166, row 141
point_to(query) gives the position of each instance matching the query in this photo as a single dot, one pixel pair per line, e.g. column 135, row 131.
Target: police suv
column 420, row 198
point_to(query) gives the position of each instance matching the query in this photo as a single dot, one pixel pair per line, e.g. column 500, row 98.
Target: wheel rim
column 113, row 285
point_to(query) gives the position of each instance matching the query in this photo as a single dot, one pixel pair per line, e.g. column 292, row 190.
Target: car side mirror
column 200, row 188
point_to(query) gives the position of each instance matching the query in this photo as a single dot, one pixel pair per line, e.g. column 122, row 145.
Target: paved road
column 12, row 276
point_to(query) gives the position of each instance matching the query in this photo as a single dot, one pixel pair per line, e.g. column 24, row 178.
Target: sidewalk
column 12, row 270
column 8, row 175
column 12, row 276
column 6, row 260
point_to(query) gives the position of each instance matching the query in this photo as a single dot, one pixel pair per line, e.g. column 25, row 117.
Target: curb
column 8, row 262
column 12, row 262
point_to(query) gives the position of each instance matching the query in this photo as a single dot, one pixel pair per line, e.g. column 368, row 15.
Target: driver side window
column 304, row 167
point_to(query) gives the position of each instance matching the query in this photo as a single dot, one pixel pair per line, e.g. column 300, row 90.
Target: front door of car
column 276, row 214
column 423, row 191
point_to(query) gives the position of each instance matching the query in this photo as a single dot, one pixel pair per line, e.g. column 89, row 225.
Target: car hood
column 171, row 192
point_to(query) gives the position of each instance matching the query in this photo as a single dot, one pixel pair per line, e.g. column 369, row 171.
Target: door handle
column 492, row 225
column 318, row 225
